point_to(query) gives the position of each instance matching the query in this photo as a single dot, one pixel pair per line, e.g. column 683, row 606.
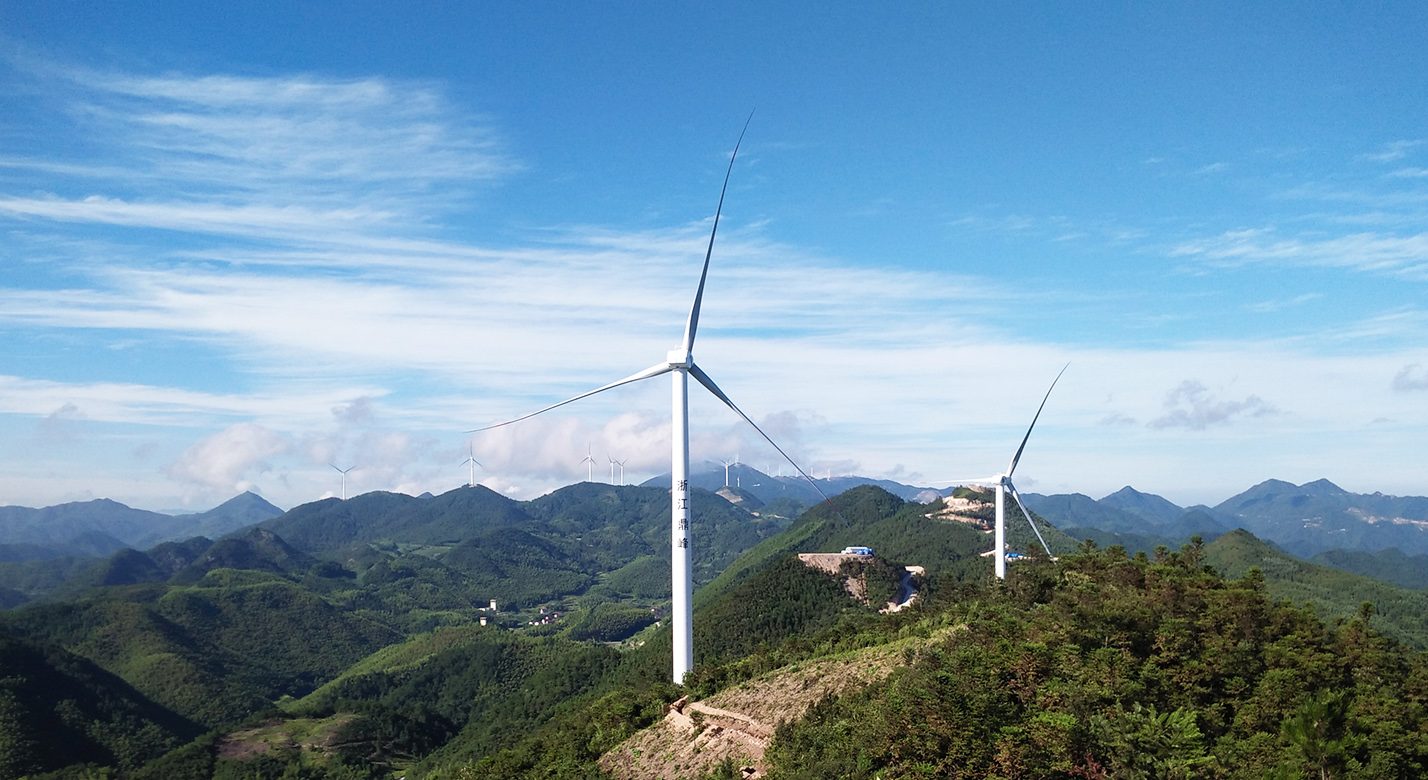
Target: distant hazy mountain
column 1081, row 511
column 1303, row 519
column 1317, row 516
column 1391, row 566
column 766, row 487
column 98, row 528
column 1144, row 505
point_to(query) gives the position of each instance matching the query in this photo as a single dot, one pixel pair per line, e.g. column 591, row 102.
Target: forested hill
column 1100, row 665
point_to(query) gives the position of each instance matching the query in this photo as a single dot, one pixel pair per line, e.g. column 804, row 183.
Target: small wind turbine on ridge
column 344, row 478
column 1003, row 484
column 589, row 470
column 727, row 464
column 471, row 459
column 679, row 364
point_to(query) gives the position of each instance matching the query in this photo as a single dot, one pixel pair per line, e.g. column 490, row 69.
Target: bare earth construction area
column 738, row 723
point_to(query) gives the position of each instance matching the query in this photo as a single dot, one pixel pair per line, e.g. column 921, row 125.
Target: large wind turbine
column 679, row 364
column 344, row 478
column 1003, row 484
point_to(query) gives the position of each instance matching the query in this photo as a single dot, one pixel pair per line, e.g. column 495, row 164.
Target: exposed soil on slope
column 282, row 735
column 738, row 723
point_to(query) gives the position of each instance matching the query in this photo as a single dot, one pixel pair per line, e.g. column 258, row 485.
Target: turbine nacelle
column 680, row 359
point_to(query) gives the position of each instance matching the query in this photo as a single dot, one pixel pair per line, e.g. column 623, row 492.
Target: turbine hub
column 680, row 358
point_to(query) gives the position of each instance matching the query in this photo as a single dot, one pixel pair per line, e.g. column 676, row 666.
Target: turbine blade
column 693, row 324
column 655, row 370
column 1029, row 521
column 703, row 379
column 1017, row 456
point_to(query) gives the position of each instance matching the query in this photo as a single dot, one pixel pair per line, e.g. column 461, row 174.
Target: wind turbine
column 727, row 464
column 474, row 463
column 1003, row 484
column 679, row 364
column 344, row 478
column 613, row 462
column 621, row 464
column 589, row 470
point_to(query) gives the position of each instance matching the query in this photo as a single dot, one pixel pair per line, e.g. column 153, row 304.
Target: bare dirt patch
column 738, row 723
column 282, row 735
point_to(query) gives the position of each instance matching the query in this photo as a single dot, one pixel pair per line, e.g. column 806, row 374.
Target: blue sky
column 242, row 243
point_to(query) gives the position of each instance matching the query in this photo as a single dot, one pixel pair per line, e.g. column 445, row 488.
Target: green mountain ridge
column 366, row 635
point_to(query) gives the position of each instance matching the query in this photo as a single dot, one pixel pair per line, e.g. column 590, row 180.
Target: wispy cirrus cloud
column 1404, row 255
column 1394, row 150
column 239, row 155
column 311, row 136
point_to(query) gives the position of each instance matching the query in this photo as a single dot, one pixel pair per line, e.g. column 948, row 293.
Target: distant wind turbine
column 727, row 464
column 344, row 478
column 621, row 464
column 589, row 470
column 680, row 365
column 471, row 459
column 1003, row 484
column 613, row 462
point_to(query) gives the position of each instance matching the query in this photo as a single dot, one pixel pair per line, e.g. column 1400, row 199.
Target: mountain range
column 356, row 638
column 1306, row 520
column 101, row 527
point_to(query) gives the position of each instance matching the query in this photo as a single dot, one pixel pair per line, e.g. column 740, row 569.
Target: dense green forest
column 359, row 653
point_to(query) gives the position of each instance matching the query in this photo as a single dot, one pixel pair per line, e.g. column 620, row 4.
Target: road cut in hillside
column 739, row 722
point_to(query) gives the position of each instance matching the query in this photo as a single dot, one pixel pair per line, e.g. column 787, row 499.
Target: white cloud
column 1192, row 406
column 1413, row 377
column 360, row 411
column 60, row 426
column 226, row 460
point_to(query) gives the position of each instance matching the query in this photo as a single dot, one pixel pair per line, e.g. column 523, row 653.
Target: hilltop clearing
column 737, row 724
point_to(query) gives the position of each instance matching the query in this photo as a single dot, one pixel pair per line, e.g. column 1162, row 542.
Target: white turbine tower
column 589, row 470
column 613, row 463
column 680, row 365
column 621, row 464
column 344, row 478
column 727, row 464
column 471, row 459
column 1003, row 484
